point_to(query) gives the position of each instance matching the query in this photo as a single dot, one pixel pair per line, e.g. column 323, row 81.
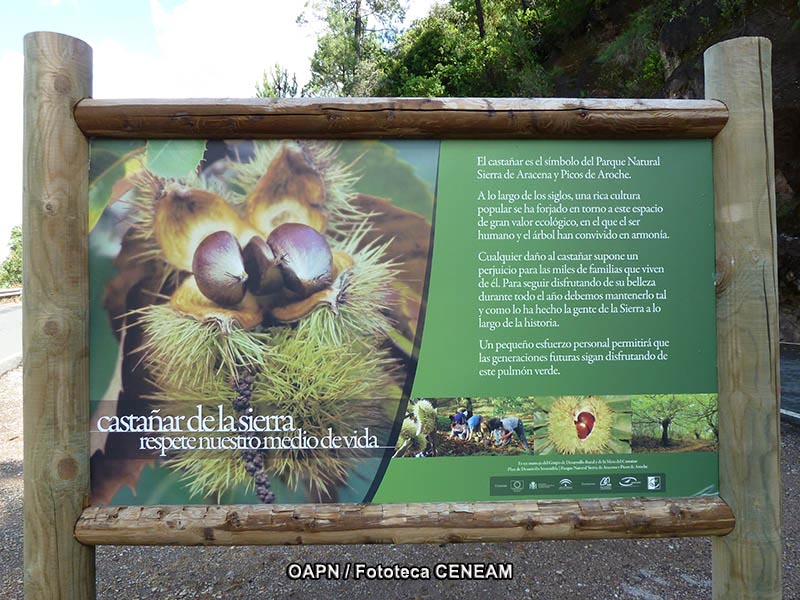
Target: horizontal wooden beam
column 362, row 118
column 404, row 523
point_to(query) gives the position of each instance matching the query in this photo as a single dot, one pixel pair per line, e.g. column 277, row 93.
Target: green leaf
column 174, row 158
column 106, row 167
column 385, row 175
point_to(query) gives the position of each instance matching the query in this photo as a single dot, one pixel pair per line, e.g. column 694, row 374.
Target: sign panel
column 401, row 321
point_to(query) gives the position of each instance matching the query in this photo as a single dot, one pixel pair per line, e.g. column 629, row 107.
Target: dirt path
column 11, row 484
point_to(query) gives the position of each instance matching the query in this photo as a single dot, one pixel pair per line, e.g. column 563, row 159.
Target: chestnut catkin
column 303, row 256
column 253, row 459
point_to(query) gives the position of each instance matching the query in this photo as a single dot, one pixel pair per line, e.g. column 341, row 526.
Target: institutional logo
column 605, row 483
column 654, row 482
column 629, row 481
column 565, row 484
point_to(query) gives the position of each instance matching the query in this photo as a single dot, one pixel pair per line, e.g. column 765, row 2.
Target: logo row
column 553, row 484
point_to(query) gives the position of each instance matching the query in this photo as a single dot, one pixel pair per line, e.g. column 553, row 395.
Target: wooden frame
column 444, row 118
column 59, row 118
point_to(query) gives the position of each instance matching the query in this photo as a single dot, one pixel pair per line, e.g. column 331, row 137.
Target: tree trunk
column 665, row 432
column 432, row 441
column 359, row 26
column 481, row 22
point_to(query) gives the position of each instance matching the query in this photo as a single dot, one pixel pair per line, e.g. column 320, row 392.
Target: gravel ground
column 670, row 569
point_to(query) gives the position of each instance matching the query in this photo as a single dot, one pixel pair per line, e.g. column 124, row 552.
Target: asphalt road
column 790, row 382
column 10, row 336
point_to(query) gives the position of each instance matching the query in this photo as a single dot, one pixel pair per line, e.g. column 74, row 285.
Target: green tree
column 275, row 84
column 350, row 49
column 706, row 415
column 658, row 411
column 435, row 57
column 11, row 269
column 678, row 415
column 469, row 48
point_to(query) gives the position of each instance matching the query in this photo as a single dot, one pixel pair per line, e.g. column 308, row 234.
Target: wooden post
column 55, row 320
column 747, row 562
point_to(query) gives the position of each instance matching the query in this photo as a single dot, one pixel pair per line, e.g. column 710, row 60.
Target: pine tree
column 275, row 84
column 351, row 48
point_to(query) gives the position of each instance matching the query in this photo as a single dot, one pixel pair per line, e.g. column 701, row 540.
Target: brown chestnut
column 584, row 423
column 219, row 270
column 264, row 275
column 303, row 256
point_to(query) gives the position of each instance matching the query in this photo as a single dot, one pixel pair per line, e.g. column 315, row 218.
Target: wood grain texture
column 404, row 523
column 55, row 320
column 401, row 118
column 747, row 563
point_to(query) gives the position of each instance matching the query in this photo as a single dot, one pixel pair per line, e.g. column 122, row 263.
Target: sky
column 154, row 49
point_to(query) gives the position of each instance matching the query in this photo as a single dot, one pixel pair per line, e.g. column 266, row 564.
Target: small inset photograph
column 466, row 426
column 582, row 425
column 675, row 423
